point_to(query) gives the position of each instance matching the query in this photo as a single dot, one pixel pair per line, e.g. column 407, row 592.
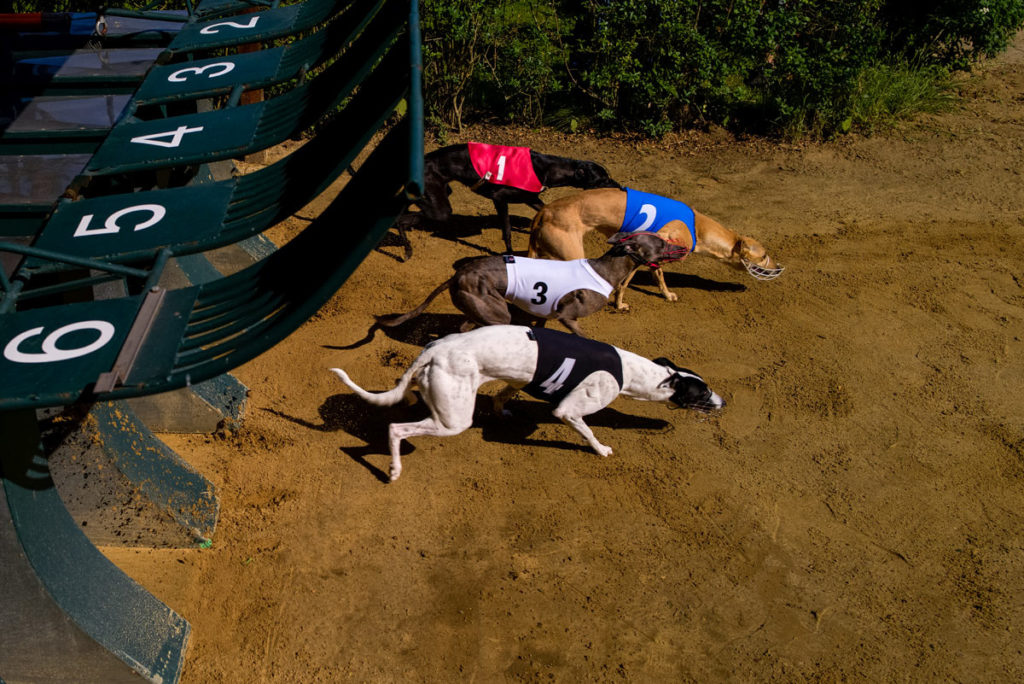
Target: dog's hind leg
column 482, row 308
column 502, row 398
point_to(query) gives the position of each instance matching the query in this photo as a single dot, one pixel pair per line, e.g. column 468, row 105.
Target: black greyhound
column 453, row 163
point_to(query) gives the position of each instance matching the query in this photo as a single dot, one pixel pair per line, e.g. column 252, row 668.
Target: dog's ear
column 619, row 238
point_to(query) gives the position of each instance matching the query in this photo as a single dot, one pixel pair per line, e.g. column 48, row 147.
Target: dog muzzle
column 760, row 272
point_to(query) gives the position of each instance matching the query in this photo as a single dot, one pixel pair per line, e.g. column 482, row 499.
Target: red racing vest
column 505, row 165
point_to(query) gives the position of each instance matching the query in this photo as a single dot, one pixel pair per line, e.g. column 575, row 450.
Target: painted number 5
column 50, row 351
column 156, row 213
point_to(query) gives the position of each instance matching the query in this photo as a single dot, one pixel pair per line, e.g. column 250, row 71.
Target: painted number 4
column 558, row 378
column 166, row 138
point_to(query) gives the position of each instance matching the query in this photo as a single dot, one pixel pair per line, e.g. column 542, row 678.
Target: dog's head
column 646, row 249
column 589, row 175
column 689, row 389
column 751, row 255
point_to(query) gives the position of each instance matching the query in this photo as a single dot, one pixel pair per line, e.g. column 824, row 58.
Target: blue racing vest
column 648, row 212
column 564, row 361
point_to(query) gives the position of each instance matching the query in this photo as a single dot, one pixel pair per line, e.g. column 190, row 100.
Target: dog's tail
column 391, row 322
column 389, row 398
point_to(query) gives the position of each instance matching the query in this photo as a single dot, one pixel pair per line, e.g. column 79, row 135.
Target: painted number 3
column 51, row 352
column 541, row 288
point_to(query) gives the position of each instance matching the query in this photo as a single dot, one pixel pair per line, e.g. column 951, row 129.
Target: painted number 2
column 166, row 138
column 649, row 213
column 50, row 351
column 215, row 28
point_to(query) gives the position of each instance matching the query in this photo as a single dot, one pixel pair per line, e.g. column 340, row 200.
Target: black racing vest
column 564, row 361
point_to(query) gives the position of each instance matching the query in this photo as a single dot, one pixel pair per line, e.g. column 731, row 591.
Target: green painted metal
column 199, row 218
column 49, row 356
column 159, row 473
column 219, row 75
column 197, row 138
column 104, row 603
column 251, row 28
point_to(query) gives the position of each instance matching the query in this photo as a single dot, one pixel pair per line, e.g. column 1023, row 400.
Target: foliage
column 650, row 66
column 794, row 66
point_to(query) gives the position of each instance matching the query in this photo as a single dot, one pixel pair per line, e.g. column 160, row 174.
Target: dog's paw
column 395, row 473
column 604, row 451
column 672, row 297
column 622, row 307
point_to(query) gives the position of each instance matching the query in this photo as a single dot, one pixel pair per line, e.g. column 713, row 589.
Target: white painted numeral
column 650, row 212
column 110, row 225
column 50, row 351
column 501, row 167
column 225, row 67
column 558, row 378
column 213, row 28
column 174, row 137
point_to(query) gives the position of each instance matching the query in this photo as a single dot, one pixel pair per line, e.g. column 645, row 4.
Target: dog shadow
column 528, row 416
column 349, row 414
column 682, row 281
column 419, row 331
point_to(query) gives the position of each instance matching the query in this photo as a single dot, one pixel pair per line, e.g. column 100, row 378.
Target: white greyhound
column 580, row 376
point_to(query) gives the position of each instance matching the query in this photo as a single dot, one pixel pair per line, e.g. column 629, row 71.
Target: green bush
column 650, row 66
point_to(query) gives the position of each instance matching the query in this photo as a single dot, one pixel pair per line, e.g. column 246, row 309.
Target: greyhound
column 565, row 291
column 505, row 175
column 558, row 229
column 586, row 377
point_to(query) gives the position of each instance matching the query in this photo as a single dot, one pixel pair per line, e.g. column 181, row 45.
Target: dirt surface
column 856, row 513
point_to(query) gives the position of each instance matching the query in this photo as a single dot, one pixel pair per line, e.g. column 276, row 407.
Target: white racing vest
column 537, row 285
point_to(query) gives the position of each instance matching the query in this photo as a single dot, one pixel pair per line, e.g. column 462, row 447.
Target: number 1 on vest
column 501, row 167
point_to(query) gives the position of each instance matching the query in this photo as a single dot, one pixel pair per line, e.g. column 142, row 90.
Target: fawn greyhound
column 559, row 227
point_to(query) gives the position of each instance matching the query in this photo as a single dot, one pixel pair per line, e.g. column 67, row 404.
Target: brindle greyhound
column 558, row 230
column 559, row 290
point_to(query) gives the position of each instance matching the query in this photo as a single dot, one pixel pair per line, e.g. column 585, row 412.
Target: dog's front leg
column 572, row 325
column 659, row 276
column 576, row 422
column 506, row 224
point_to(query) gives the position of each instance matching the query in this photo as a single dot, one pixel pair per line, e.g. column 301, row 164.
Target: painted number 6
column 213, row 28
column 50, row 351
